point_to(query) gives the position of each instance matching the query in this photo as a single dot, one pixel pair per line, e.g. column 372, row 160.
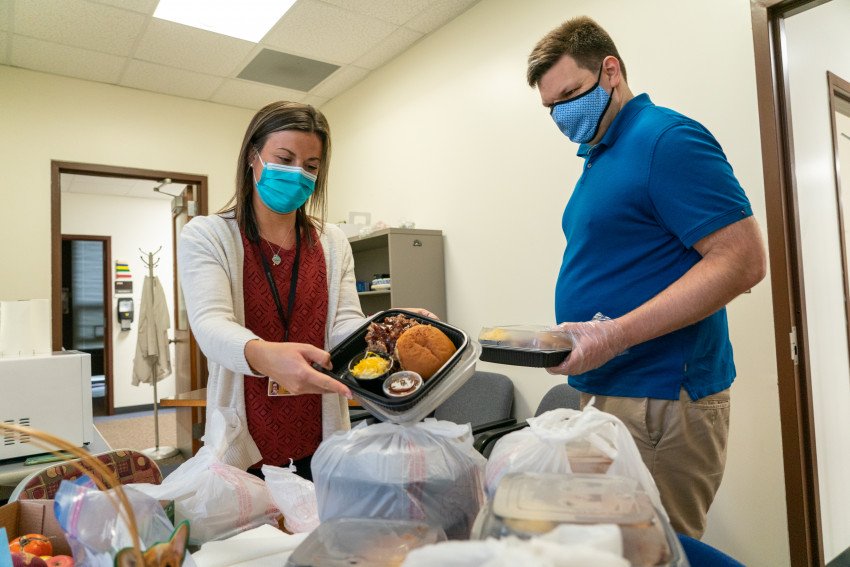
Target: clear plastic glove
column 595, row 342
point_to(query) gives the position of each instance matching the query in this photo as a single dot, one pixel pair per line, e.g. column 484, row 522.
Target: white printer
column 50, row 392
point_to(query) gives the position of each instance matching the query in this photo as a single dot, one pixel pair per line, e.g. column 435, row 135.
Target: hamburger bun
column 424, row 349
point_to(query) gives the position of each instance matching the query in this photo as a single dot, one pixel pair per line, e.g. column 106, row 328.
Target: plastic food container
column 532, row 504
column 372, row 376
column 346, row 542
column 433, row 392
column 525, row 345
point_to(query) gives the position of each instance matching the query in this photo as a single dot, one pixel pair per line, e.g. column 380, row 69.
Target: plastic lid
column 572, row 498
column 346, row 542
column 448, row 385
column 530, row 337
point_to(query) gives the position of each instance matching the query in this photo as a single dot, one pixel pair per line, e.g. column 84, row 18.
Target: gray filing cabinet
column 414, row 260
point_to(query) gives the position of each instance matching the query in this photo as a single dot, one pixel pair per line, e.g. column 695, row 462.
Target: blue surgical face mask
column 579, row 117
column 284, row 188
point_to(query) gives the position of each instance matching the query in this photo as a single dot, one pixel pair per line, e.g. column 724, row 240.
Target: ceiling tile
column 247, row 94
column 438, row 14
column 65, row 60
column 393, row 45
column 4, row 51
column 340, row 81
column 141, row 6
column 159, row 78
column 286, row 70
column 189, row 48
column 316, row 101
column 320, row 31
column 81, row 24
column 395, row 11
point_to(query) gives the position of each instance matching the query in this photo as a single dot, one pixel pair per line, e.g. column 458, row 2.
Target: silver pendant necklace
column 276, row 260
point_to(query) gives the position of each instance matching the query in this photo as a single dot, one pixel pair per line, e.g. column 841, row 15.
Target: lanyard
column 293, row 283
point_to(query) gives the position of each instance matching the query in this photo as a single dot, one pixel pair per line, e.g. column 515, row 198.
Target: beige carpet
column 137, row 433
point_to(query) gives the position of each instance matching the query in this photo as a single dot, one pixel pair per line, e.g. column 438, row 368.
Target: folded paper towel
column 267, row 546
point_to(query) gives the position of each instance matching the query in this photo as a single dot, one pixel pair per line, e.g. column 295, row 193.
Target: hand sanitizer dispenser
column 125, row 313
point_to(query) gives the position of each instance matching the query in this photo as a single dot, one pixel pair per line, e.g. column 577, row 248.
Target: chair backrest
column 129, row 466
column 560, row 396
column 486, row 397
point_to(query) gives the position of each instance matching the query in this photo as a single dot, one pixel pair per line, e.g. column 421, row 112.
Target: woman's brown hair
column 276, row 117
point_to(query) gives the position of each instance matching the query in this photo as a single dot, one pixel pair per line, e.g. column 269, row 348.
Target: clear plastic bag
column 546, row 446
column 219, row 500
column 294, row 496
column 96, row 531
column 510, row 552
column 426, row 471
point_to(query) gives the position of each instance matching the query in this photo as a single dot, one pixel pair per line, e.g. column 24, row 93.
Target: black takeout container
column 355, row 345
column 524, row 345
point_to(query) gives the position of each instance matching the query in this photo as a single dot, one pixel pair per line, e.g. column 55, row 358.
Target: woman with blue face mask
column 270, row 288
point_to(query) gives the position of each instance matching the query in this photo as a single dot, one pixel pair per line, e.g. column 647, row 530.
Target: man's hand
column 594, row 343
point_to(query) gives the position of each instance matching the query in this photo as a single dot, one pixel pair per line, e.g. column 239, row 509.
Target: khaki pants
column 683, row 443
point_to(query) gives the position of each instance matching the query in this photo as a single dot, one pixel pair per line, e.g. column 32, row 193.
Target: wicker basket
column 158, row 555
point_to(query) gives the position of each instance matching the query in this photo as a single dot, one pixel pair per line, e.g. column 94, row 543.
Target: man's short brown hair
column 582, row 39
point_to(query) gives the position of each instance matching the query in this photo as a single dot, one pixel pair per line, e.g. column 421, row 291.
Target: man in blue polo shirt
column 660, row 237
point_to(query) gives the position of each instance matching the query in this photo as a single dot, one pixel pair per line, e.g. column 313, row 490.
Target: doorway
column 86, row 325
column 187, row 191
column 796, row 44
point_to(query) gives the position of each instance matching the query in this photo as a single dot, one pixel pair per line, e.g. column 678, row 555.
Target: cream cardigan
column 210, row 263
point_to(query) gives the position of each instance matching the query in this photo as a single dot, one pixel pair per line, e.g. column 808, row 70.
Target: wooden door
column 191, row 373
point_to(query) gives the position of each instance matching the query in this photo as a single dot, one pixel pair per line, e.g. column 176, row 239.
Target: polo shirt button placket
column 589, row 164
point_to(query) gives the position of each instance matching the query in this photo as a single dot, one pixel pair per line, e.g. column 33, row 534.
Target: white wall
column 132, row 223
column 47, row 117
column 449, row 135
column 817, row 43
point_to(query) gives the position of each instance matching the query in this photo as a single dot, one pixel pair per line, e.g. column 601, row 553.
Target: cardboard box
column 34, row 517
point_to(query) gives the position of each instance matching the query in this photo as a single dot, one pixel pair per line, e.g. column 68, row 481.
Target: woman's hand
column 289, row 364
column 421, row 311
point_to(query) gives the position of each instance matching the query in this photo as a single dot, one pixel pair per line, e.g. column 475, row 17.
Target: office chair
column 485, row 402
column 559, row 396
column 128, row 465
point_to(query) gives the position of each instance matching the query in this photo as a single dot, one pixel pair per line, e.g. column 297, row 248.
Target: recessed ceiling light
column 247, row 19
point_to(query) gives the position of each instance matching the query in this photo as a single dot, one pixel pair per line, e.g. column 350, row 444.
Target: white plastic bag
column 422, row 471
column 219, row 500
column 294, row 496
column 511, row 552
column 543, row 447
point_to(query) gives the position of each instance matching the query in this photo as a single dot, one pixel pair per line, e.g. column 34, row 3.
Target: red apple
column 24, row 559
column 60, row 561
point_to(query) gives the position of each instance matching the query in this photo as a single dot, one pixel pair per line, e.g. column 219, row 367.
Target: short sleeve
column 691, row 184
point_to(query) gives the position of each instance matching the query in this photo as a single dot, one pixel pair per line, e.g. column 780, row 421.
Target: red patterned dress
column 284, row 427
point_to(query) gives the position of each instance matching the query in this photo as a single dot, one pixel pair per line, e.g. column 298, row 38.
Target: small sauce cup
column 402, row 384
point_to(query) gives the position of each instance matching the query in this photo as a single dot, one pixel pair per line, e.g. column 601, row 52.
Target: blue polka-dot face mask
column 579, row 117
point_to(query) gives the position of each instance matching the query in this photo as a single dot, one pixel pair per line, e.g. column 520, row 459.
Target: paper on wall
column 25, row 327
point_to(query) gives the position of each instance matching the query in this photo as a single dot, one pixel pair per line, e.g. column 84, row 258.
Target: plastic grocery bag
column 96, row 531
column 294, row 496
column 511, row 552
column 219, row 500
column 427, row 471
column 545, row 447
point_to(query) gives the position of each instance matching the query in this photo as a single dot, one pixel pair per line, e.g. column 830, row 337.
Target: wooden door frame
column 107, row 309
column 799, row 449
column 57, row 168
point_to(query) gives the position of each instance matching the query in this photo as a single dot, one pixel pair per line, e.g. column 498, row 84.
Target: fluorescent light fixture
column 244, row 19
